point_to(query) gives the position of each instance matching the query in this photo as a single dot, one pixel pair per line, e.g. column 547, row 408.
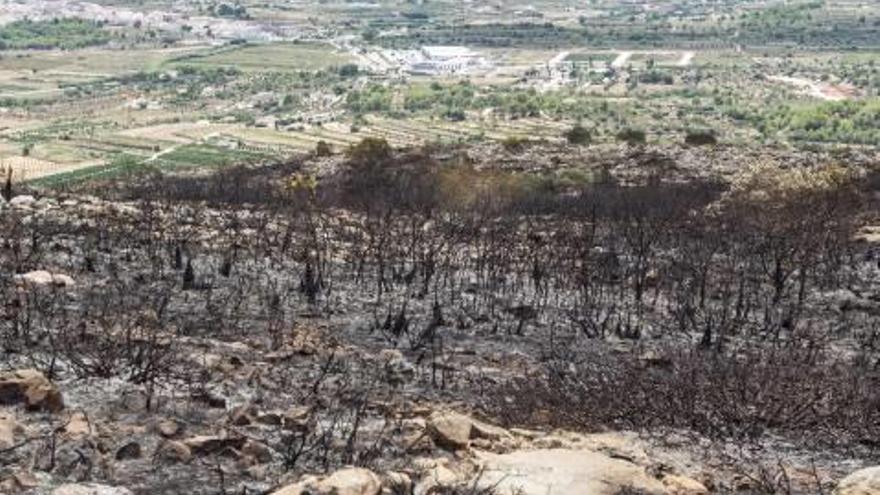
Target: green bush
column 632, row 136
column 514, row 143
column 701, row 137
column 578, row 135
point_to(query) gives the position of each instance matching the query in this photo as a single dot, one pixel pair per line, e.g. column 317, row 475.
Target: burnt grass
column 654, row 306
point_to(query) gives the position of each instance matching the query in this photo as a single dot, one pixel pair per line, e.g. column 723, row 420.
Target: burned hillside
column 420, row 321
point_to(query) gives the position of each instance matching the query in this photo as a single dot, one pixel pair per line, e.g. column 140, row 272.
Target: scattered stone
column 862, row 482
column 31, row 388
column 90, row 489
column 350, row 481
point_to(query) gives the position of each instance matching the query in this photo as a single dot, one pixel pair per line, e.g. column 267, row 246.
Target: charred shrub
column 734, row 395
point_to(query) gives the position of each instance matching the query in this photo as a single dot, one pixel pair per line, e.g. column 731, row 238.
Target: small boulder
column 455, row 431
column 682, row 485
column 450, row 429
column 862, row 482
column 173, row 451
column 168, row 428
column 30, row 388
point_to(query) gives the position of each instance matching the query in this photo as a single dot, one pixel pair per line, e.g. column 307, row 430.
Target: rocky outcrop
column 90, row 489
column 351, row 481
column 564, row 472
column 863, row 482
column 32, row 389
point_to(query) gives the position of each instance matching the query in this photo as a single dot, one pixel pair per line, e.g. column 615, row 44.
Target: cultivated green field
column 270, row 57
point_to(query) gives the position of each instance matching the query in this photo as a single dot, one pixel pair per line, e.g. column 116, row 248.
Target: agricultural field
column 281, row 57
column 333, row 82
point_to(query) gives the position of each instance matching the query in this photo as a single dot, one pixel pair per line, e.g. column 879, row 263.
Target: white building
column 444, row 60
